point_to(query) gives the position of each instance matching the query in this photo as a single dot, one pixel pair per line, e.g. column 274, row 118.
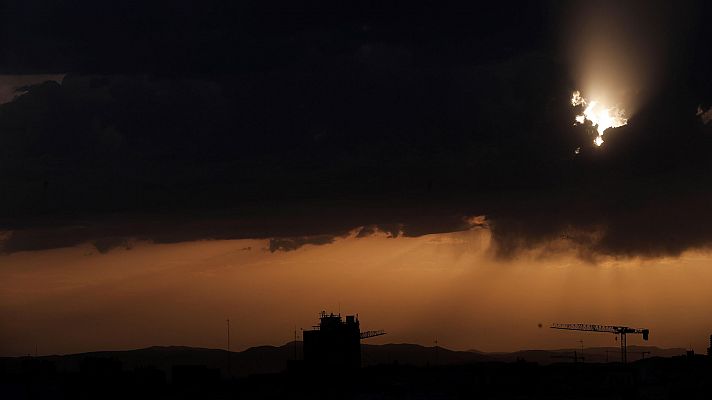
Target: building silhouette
column 335, row 343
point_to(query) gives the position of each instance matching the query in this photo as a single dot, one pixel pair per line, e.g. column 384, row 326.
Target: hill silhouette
column 273, row 359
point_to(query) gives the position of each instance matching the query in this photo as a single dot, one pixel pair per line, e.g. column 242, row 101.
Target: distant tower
column 229, row 371
column 709, row 349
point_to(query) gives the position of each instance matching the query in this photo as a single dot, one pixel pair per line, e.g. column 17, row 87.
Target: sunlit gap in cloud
column 705, row 116
column 618, row 57
column 601, row 116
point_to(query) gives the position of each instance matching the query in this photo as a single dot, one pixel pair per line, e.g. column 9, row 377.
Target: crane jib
column 618, row 330
column 603, row 328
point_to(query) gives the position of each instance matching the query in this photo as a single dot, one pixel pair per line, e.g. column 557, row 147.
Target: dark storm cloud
column 12, row 86
column 287, row 244
column 204, row 122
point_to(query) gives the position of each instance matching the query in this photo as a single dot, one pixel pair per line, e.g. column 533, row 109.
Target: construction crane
column 622, row 331
column 370, row 334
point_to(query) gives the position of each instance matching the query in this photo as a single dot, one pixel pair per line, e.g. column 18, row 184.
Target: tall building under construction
column 335, row 343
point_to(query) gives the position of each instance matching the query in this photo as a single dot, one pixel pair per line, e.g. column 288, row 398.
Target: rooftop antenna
column 436, row 350
column 229, row 372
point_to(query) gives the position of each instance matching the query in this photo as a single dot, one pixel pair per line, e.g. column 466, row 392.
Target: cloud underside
column 649, row 223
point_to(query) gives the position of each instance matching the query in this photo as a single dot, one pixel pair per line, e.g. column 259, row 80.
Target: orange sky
column 447, row 286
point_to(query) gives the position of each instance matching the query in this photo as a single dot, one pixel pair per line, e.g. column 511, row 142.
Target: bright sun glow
column 601, row 117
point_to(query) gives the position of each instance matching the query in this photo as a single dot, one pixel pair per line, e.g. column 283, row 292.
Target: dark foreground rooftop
column 103, row 377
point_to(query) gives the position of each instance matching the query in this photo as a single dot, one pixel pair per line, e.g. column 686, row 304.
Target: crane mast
column 622, row 331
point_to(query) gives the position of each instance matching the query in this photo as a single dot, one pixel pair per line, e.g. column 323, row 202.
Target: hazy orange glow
column 444, row 285
column 601, row 116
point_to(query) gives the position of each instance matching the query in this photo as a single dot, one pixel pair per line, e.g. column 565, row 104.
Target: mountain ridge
column 273, row 359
